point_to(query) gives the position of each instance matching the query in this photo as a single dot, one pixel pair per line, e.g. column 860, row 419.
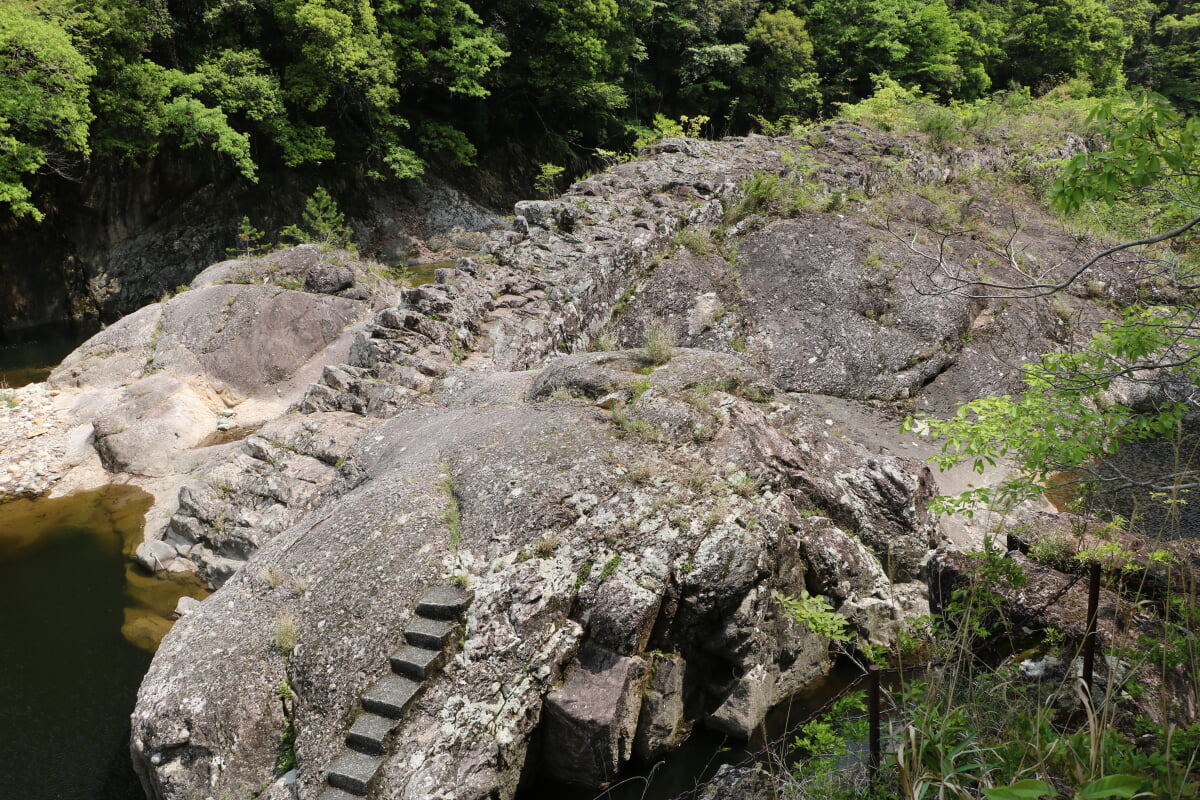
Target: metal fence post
column 1089, row 637
column 873, row 716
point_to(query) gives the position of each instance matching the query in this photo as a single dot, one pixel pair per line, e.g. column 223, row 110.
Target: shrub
column 322, row 223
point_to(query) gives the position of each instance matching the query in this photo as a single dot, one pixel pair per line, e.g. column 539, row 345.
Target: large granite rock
column 617, row 515
column 237, row 334
column 575, row 529
column 149, row 421
column 167, row 392
column 589, row 722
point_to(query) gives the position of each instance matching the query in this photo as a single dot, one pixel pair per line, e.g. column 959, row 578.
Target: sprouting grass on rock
column 287, row 633
column 660, row 343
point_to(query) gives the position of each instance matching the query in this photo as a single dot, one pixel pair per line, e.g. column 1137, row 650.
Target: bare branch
column 1035, row 284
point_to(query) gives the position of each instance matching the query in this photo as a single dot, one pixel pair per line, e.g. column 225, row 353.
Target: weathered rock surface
column 589, row 722
column 38, row 440
column 601, row 507
column 625, row 519
column 165, row 392
column 575, row 529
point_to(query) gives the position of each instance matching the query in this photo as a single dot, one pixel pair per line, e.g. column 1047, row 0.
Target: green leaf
column 1111, row 786
column 1021, row 790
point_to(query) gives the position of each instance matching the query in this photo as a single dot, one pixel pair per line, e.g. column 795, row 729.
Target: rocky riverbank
column 37, row 439
column 627, row 426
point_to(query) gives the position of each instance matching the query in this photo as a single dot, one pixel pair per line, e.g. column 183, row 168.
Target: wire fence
column 775, row 749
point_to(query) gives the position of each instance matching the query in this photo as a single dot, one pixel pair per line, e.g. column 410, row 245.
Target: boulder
column 156, row 556
column 248, row 338
column 739, row 783
column 589, row 722
column 186, row 605
column 839, row 565
column 662, row 721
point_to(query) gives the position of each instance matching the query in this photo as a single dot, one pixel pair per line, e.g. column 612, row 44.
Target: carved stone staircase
column 425, row 651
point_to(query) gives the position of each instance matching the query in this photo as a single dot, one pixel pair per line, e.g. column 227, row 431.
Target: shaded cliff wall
column 122, row 237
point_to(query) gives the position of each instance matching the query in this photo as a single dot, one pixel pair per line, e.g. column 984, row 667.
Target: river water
column 27, row 356
column 79, row 625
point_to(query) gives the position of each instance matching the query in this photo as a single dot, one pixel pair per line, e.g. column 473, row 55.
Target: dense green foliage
column 384, row 86
column 43, row 100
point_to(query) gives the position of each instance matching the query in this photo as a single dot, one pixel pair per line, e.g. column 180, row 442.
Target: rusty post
column 873, row 719
column 1089, row 637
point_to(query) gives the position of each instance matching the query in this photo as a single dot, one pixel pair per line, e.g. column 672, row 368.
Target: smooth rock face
column 153, row 419
column 248, row 337
column 235, row 338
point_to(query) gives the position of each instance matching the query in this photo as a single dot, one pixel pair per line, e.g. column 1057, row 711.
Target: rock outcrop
column 590, row 541
column 122, row 239
column 168, row 392
column 626, row 519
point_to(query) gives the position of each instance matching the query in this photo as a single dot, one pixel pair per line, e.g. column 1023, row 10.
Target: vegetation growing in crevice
column 286, row 634
column 287, row 739
column 659, row 343
column 452, row 515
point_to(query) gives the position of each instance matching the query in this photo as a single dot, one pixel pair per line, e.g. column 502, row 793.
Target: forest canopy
column 384, row 87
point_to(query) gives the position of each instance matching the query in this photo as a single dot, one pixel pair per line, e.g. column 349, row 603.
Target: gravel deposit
column 34, row 434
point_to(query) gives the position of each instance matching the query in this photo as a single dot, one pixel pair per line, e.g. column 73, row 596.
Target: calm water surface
column 28, row 356
column 78, row 625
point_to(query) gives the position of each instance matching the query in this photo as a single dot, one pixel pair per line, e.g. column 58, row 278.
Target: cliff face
column 115, row 242
column 121, row 239
column 623, row 428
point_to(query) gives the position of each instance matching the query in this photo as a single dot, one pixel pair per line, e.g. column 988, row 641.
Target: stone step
column 353, row 772
column 416, row 662
column 334, row 793
column 390, row 696
column 443, row 602
column 432, row 634
column 369, row 732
